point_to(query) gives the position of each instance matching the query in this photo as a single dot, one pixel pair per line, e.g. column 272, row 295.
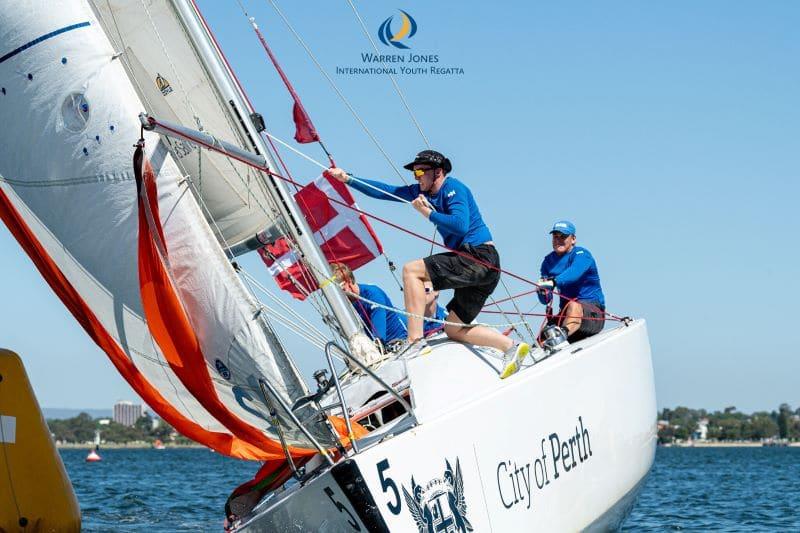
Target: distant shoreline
column 121, row 446
column 728, row 444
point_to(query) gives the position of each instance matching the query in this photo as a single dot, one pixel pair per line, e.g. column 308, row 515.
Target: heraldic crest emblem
column 439, row 505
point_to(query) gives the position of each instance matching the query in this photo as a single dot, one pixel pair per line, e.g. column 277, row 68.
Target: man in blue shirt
column 473, row 272
column 383, row 324
column 572, row 271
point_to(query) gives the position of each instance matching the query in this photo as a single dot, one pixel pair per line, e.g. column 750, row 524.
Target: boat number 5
column 342, row 508
column 388, row 484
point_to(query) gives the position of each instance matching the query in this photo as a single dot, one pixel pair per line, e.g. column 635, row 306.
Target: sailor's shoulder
column 550, row 259
column 581, row 251
column 453, row 188
column 368, row 290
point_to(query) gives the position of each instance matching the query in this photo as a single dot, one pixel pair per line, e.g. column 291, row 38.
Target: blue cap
column 564, row 226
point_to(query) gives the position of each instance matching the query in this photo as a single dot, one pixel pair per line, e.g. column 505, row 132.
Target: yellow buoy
column 35, row 492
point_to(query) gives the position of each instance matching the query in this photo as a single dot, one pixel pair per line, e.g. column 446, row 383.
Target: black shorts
column 594, row 319
column 473, row 281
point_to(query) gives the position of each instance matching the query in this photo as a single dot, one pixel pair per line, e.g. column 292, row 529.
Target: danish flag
column 344, row 235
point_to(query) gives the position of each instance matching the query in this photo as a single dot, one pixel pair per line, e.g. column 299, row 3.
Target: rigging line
column 319, row 304
column 429, row 319
column 323, row 167
column 370, row 215
column 337, row 90
column 271, row 138
column 390, row 265
column 516, row 307
column 587, row 318
column 367, row 327
column 226, row 246
column 391, row 76
column 291, row 326
column 297, row 102
column 188, row 103
column 520, row 295
column 313, row 330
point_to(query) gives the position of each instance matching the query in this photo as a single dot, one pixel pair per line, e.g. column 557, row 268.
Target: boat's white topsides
column 561, row 445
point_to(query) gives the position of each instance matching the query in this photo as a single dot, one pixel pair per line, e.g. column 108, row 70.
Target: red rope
column 513, row 297
column 545, row 315
column 266, row 170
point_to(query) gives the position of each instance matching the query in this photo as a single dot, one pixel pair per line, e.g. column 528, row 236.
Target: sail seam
column 83, row 180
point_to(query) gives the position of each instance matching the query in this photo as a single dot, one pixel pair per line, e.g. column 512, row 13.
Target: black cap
column 432, row 158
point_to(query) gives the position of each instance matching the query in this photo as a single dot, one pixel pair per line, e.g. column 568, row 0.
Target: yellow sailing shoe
column 513, row 357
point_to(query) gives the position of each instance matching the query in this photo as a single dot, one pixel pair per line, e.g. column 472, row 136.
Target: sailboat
column 141, row 244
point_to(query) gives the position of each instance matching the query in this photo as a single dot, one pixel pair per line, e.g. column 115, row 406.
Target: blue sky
column 668, row 132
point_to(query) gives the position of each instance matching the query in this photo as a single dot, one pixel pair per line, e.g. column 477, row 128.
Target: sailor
column 572, row 271
column 381, row 321
column 473, row 272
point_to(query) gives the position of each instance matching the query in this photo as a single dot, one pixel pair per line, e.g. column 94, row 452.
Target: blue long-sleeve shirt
column 456, row 217
column 575, row 274
column 382, row 324
column 429, row 327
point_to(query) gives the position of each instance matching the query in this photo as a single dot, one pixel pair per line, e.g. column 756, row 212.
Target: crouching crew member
column 450, row 206
column 384, row 325
column 572, row 271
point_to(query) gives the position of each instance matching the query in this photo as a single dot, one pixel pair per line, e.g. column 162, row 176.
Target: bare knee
column 574, row 310
column 415, row 270
column 453, row 332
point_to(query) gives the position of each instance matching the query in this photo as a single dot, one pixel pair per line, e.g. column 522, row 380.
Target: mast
column 299, row 230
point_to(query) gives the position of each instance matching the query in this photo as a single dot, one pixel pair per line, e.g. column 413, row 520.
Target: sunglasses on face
column 419, row 172
column 560, row 236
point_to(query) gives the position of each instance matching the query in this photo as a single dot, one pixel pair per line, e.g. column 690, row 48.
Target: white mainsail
column 68, row 192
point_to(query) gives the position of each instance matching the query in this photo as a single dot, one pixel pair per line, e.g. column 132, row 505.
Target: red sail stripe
column 221, row 442
column 170, row 325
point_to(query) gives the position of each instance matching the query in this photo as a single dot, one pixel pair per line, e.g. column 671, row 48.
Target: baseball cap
column 564, row 226
column 432, row 158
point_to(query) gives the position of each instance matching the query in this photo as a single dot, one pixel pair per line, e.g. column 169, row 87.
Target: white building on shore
column 127, row 413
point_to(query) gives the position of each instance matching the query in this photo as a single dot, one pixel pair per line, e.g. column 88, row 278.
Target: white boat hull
column 563, row 445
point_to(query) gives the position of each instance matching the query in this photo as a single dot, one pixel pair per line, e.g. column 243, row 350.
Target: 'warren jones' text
column 559, row 456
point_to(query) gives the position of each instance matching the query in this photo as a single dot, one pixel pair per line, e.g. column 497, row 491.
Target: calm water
column 731, row 489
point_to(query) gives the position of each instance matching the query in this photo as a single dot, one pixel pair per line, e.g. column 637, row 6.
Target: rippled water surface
column 721, row 489
column 730, row 489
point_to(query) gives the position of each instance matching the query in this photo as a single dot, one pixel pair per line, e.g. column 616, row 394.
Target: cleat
column 512, row 359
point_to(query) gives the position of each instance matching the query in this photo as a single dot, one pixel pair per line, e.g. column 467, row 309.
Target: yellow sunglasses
column 421, row 172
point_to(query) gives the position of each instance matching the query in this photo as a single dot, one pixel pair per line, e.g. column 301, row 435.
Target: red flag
column 344, row 235
column 304, row 128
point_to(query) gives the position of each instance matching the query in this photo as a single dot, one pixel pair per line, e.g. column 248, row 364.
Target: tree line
column 81, row 429
column 683, row 423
